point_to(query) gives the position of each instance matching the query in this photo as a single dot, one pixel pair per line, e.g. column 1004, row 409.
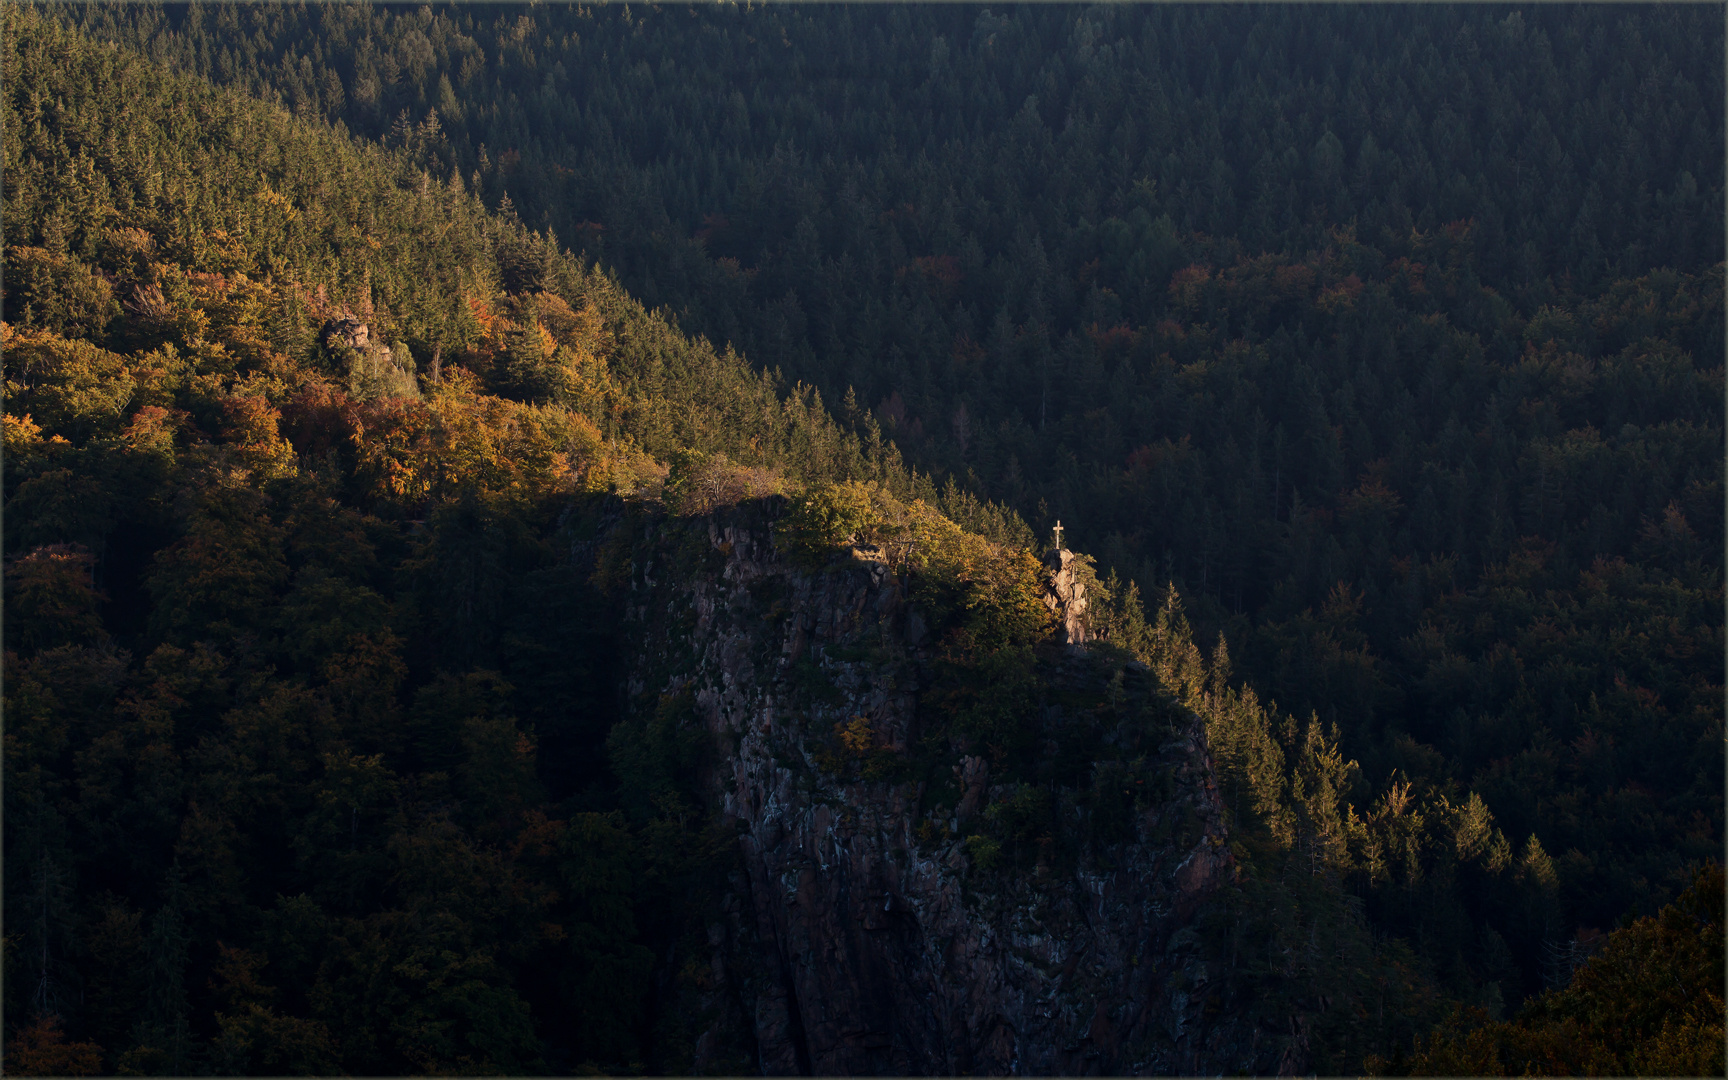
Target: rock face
column 861, row 935
column 1066, row 597
column 346, row 332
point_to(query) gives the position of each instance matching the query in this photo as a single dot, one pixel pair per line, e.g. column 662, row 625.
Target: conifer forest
column 893, row 539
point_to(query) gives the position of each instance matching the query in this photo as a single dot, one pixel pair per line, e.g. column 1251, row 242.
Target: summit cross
column 1058, row 532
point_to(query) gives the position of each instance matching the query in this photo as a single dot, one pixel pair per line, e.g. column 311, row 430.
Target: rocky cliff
column 903, row 902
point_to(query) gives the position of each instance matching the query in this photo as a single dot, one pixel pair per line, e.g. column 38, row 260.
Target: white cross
column 1058, row 534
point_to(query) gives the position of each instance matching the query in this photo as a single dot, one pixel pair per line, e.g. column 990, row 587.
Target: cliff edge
column 908, row 897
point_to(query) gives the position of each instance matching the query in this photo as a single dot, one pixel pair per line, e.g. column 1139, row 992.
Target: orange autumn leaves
column 408, row 452
column 272, row 423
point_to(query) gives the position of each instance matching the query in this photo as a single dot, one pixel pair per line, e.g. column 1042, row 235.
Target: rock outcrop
column 374, row 368
column 1066, row 597
column 346, row 332
column 862, row 933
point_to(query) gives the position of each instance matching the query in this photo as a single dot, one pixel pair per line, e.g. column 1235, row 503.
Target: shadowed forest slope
column 1392, row 336
column 1389, row 340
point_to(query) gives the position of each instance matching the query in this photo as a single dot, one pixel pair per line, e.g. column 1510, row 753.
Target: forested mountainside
column 307, row 691
column 1392, row 336
column 387, row 591
column 339, row 738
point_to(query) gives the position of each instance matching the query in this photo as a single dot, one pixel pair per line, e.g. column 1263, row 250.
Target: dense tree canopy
column 1386, row 343
column 307, row 694
column 1649, row 1003
column 1392, row 336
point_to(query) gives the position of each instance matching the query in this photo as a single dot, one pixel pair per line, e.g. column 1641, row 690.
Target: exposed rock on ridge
column 1066, row 597
column 859, row 934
